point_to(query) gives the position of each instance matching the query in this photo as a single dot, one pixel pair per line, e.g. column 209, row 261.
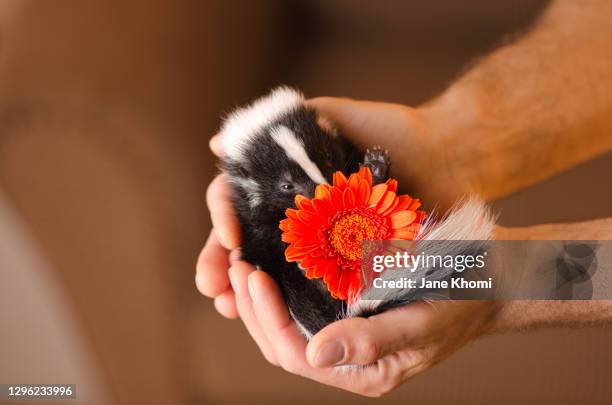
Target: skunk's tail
column 465, row 230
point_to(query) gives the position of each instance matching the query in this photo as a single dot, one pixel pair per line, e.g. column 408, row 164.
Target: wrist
column 454, row 125
column 480, row 138
column 440, row 181
column 515, row 316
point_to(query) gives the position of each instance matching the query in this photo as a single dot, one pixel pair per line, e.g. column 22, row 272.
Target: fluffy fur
column 245, row 123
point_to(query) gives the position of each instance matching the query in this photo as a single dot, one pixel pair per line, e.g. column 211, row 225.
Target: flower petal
column 385, row 202
column 348, row 198
column 354, row 289
column 299, row 227
column 331, row 279
column 363, row 193
column 323, row 266
column 392, row 183
column 343, row 284
column 308, row 262
column 377, row 192
column 290, row 237
column 302, row 202
column 421, row 215
column 292, row 254
column 309, row 272
column 336, row 198
column 366, row 175
column 291, row 213
column 401, row 219
column 403, row 233
column 322, row 191
column 306, row 245
column 415, row 204
column 339, row 179
column 310, row 218
column 284, row 224
column 323, row 207
column 403, row 203
column 391, row 208
column 353, row 181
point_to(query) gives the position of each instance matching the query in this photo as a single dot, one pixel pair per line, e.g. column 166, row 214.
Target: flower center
column 349, row 229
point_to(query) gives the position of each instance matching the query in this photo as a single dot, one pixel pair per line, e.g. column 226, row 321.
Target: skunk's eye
column 286, row 186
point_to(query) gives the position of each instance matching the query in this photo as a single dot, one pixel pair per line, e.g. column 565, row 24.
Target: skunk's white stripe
column 294, row 148
column 240, row 128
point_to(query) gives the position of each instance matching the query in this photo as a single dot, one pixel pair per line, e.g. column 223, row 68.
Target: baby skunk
column 277, row 148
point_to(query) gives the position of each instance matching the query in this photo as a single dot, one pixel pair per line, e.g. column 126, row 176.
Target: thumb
column 363, row 341
column 366, row 122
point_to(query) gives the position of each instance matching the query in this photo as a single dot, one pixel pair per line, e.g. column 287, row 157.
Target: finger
column 225, row 304
column 211, row 269
column 273, row 316
column 215, row 145
column 222, row 214
column 290, row 346
column 239, row 273
column 414, row 362
column 363, row 341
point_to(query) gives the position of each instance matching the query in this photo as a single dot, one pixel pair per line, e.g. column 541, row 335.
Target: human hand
column 391, row 347
column 419, row 157
column 221, row 276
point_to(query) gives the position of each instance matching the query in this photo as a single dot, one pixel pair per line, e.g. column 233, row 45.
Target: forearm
column 532, row 108
column 530, row 315
column 527, row 315
column 598, row 229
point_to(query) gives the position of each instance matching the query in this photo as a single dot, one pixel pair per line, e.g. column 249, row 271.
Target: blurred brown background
column 106, row 108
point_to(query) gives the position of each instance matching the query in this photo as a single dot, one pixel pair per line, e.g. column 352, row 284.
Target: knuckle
column 370, row 391
column 380, row 386
column 368, row 349
column 270, row 358
column 387, row 386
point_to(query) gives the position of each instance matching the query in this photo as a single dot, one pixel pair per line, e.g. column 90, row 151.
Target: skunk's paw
column 377, row 160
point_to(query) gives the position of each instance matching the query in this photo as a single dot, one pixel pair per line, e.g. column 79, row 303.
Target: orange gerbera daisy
column 325, row 233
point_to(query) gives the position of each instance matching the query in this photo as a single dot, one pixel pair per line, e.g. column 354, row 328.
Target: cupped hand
column 384, row 350
column 429, row 332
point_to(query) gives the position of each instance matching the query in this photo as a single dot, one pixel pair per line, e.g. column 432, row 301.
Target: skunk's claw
column 378, row 161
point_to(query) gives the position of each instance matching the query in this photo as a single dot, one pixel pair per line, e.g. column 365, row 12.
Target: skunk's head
column 277, row 148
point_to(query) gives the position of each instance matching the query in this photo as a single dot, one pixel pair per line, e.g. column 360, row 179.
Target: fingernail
column 235, row 255
column 251, row 286
column 330, row 354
